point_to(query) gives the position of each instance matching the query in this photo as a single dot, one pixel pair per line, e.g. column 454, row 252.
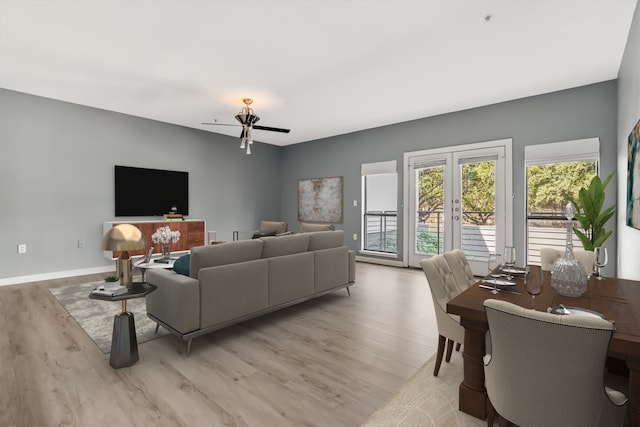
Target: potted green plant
column 590, row 214
column 111, row 282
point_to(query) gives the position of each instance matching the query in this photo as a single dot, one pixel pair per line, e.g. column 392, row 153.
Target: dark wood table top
column 617, row 299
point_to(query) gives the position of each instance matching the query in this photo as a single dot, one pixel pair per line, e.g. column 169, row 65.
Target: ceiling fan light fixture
column 247, row 120
column 243, row 137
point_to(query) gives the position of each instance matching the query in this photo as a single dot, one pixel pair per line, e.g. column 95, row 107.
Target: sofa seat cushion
column 325, row 239
column 227, row 253
column 285, row 245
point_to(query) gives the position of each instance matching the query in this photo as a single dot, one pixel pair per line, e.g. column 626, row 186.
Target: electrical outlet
column 22, row 248
column 355, row 236
column 355, row 203
column 80, row 244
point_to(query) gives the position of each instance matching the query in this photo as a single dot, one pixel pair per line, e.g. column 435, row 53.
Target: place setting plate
column 566, row 310
column 513, row 270
column 499, row 282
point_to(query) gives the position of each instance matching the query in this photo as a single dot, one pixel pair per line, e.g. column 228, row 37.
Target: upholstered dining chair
column 549, row 256
column 548, row 370
column 443, row 287
column 460, row 268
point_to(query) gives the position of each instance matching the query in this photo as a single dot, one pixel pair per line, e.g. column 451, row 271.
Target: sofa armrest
column 331, row 268
column 176, row 302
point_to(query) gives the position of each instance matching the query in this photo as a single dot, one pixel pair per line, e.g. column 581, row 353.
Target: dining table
column 616, row 299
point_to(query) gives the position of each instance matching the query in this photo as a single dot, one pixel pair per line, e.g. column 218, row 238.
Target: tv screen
column 150, row 192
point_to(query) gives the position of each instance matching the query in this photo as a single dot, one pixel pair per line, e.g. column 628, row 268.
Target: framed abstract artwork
column 633, row 178
column 320, row 200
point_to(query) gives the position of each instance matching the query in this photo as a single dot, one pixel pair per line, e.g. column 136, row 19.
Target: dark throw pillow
column 181, row 265
column 263, row 233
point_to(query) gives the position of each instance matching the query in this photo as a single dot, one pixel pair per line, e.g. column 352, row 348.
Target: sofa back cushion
column 226, row 253
column 231, row 291
column 277, row 227
column 306, row 227
column 325, row 239
column 284, row 245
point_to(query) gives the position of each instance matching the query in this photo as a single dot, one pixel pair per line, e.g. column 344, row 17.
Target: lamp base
column 124, row 269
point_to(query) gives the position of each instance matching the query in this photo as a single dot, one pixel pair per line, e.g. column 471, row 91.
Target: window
column 555, row 172
column 379, row 206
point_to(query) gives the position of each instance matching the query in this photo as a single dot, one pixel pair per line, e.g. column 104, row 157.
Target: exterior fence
column 478, row 241
column 381, row 231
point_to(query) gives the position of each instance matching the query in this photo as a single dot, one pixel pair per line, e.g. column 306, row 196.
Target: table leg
column 124, row 344
column 472, row 393
column 633, row 406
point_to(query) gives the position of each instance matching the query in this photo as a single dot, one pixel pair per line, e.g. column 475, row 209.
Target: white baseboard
column 381, row 261
column 54, row 275
column 105, row 269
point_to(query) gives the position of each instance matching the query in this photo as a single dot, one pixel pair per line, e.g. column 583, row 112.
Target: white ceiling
column 318, row 67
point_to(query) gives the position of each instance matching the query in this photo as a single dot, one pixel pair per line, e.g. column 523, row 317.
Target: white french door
column 457, row 197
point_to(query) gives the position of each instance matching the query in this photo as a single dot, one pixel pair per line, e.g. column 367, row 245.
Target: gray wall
column 628, row 116
column 56, row 169
column 578, row 113
column 57, row 184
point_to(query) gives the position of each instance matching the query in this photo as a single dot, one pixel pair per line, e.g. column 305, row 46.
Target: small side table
column 124, row 344
column 144, row 266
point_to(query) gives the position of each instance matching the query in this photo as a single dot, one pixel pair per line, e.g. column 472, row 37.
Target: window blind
column 379, row 168
column 562, row 152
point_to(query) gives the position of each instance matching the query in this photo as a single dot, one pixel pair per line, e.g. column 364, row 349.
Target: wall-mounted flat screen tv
column 150, row 192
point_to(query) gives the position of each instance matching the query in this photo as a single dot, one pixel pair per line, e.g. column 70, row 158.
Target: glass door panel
column 458, row 200
column 475, row 210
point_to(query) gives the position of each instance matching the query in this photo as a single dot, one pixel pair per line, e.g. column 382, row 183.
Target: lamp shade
column 123, row 237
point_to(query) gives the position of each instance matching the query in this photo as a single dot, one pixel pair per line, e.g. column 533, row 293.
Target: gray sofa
column 236, row 281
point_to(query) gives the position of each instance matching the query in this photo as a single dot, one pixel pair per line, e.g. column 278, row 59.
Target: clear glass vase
column 166, row 251
column 569, row 276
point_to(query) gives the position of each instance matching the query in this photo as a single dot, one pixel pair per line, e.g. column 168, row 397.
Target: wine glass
column 492, row 264
column 533, row 284
column 509, row 259
column 601, row 260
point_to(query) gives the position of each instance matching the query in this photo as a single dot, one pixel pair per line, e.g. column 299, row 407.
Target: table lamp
column 123, row 238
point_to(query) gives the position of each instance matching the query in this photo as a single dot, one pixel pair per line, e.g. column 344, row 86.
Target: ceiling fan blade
column 259, row 127
column 218, row 124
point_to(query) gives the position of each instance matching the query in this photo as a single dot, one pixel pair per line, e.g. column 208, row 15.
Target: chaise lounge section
column 237, row 281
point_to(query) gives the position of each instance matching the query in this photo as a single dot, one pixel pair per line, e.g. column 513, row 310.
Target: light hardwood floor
column 331, row 361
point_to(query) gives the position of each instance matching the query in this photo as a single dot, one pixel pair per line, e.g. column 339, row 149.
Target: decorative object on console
column 569, row 275
column 173, row 217
column 165, row 236
column 123, row 237
column 633, row 178
column 590, row 214
column 320, row 200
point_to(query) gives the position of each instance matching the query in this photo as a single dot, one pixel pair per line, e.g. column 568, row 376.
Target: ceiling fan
column 248, row 120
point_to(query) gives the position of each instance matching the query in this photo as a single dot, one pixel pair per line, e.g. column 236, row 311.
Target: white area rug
column 95, row 317
column 425, row 400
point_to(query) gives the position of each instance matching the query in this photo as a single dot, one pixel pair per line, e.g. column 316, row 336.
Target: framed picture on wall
column 320, row 200
column 633, row 178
